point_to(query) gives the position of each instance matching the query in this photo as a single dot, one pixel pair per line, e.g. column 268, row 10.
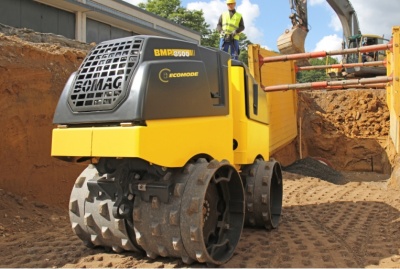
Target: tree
column 162, row 8
column 193, row 19
column 318, row 74
column 243, row 44
column 211, row 39
column 172, row 10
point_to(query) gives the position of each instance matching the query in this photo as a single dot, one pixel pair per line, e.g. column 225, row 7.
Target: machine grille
column 102, row 79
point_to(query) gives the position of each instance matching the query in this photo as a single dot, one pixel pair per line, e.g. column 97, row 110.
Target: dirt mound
column 349, row 128
column 32, row 76
column 354, row 113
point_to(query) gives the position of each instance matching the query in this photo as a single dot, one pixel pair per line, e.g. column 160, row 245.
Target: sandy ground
column 323, row 224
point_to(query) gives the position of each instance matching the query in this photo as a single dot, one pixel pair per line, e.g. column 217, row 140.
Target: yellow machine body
column 172, row 142
column 156, row 142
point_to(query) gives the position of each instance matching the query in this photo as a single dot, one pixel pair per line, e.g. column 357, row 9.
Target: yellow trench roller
column 177, row 165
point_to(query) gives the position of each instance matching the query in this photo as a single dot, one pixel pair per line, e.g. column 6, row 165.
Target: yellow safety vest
column 231, row 24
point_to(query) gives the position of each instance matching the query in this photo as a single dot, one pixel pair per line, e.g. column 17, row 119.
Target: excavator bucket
column 292, row 41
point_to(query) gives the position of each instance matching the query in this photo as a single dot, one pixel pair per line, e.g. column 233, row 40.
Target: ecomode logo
column 165, row 75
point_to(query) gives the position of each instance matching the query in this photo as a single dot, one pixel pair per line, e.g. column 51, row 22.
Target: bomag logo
column 101, row 84
column 174, row 53
column 165, row 75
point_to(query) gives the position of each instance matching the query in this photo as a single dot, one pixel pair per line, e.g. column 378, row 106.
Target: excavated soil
column 340, row 209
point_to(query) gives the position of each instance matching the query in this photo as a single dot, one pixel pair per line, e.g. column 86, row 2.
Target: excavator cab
column 360, row 40
column 357, row 41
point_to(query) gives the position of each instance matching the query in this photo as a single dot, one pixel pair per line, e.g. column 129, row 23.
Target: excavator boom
column 292, row 40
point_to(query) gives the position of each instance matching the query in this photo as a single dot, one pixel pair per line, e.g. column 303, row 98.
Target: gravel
column 313, row 168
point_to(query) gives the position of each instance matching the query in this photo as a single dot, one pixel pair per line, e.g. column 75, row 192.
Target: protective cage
column 102, row 79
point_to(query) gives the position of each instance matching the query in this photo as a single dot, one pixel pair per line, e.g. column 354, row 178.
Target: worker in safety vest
column 230, row 24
